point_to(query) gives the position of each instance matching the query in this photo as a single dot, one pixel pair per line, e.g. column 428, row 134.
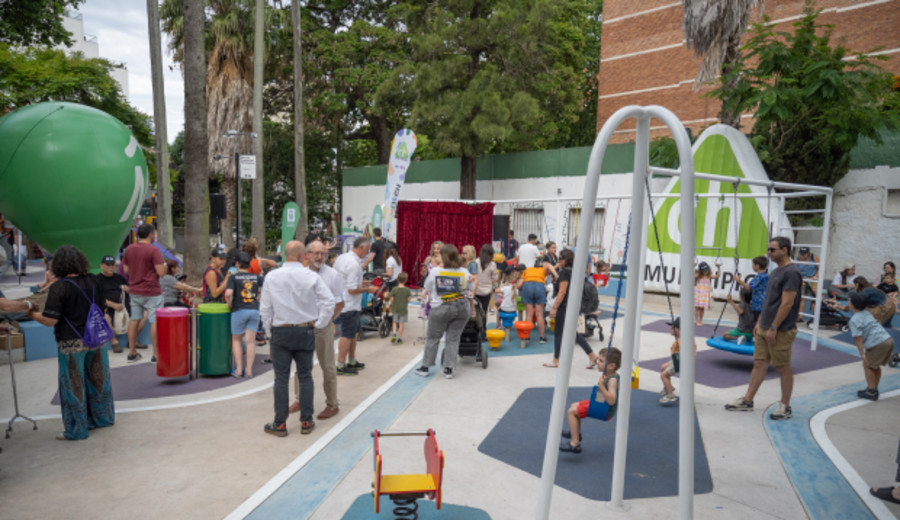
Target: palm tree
column 229, row 80
column 193, row 59
column 299, row 159
column 713, row 30
column 159, row 128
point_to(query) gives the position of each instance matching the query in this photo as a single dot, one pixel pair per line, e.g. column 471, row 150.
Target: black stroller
column 832, row 318
column 375, row 316
column 471, row 342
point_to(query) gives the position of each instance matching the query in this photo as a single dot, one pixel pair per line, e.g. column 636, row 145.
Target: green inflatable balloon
column 71, row 174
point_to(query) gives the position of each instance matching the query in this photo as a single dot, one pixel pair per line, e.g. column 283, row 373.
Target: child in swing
column 670, row 368
column 608, row 390
column 703, row 289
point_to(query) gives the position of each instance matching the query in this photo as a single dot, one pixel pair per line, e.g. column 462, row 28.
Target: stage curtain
column 419, row 224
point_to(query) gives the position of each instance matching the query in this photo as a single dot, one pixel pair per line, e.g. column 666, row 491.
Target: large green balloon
column 71, row 174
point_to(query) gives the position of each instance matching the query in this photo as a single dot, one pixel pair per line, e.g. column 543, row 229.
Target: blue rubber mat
column 363, row 508
column 652, row 458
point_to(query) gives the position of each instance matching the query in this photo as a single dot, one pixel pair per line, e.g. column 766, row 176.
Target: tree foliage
column 36, row 74
column 493, row 75
column 35, row 22
column 811, row 100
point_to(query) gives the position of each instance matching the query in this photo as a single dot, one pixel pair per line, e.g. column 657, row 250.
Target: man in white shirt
column 348, row 266
column 529, row 253
column 316, row 254
column 294, row 302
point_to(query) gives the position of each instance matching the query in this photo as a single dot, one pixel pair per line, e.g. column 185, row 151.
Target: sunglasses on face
column 772, row 249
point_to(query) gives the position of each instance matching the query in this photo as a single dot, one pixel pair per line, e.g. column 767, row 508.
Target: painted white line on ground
column 817, row 426
column 169, row 406
column 285, row 474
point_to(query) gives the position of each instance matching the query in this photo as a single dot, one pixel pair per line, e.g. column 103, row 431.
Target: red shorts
column 583, row 408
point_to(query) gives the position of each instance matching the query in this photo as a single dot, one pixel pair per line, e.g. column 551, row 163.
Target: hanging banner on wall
column 402, row 149
column 725, row 227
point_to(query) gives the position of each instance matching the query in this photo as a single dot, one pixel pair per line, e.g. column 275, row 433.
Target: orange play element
column 495, row 336
column 411, row 486
column 523, row 328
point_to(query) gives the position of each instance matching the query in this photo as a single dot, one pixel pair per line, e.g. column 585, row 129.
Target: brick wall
column 644, row 60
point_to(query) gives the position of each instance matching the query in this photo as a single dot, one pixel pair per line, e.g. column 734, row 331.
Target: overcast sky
column 121, row 30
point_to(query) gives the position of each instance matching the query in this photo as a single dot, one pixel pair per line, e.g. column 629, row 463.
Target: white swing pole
column 560, row 391
column 645, row 223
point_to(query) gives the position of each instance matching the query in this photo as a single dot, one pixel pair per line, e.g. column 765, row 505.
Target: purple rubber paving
column 139, row 381
column 720, row 369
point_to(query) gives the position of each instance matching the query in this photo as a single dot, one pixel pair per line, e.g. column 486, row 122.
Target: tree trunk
column 383, row 138
column 299, row 166
column 467, row 178
column 732, row 56
column 228, row 222
column 164, row 194
column 258, row 228
column 196, row 144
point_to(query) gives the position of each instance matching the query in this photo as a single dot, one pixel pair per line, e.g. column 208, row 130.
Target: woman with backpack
column 74, row 308
column 558, row 312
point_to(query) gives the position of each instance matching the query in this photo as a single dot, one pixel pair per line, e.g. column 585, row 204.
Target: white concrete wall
column 862, row 233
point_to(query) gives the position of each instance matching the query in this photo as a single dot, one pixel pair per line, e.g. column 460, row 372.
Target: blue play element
column 363, row 509
column 39, row 341
column 730, row 346
column 651, row 468
column 507, row 318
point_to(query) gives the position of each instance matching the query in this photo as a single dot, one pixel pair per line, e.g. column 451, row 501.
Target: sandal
column 568, row 448
column 550, row 365
column 592, row 366
column 884, row 494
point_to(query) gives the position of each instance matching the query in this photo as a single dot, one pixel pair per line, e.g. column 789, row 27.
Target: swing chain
column 612, row 328
column 734, row 216
column 662, row 264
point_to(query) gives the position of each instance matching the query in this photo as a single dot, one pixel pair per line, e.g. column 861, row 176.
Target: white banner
column 402, row 149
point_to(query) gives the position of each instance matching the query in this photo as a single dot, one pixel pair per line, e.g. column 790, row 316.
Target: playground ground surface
column 204, row 454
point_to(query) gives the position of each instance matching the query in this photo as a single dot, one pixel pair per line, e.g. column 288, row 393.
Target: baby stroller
column 471, row 340
column 374, row 316
column 831, row 317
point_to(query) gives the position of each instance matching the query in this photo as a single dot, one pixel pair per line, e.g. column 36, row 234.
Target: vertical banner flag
column 290, row 217
column 402, row 149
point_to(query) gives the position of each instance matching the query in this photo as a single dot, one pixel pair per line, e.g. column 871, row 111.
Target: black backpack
column 589, row 298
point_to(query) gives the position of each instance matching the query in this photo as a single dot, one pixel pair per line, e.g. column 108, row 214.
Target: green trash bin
column 215, row 338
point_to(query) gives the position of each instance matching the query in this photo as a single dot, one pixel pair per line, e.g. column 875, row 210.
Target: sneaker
column 740, row 405
column 134, row 357
column 568, row 435
column 394, row 338
column 306, row 427
column 568, row 448
column 278, row 431
column 668, row 400
column 356, row 365
column 142, row 346
column 869, row 394
column 781, row 412
column 448, row 373
column 117, row 348
column 542, row 340
column 421, row 371
column 399, row 341
column 346, row 370
column 153, row 359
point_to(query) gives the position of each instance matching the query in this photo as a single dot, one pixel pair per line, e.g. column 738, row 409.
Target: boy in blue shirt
column 874, row 343
column 757, row 285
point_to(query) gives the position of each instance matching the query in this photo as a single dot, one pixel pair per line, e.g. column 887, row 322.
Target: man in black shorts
column 114, row 286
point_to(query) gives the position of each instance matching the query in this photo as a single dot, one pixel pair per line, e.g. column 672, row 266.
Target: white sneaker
column 668, row 400
column 781, row 412
column 448, row 373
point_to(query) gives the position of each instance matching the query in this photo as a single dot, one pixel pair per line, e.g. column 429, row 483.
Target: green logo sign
column 402, row 151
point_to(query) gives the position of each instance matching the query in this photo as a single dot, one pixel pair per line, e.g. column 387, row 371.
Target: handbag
column 120, row 318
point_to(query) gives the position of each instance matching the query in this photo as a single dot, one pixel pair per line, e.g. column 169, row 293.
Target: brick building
column 644, row 59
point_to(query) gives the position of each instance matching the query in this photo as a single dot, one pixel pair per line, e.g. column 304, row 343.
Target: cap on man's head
column 676, row 323
column 849, row 265
column 218, row 253
column 108, row 260
column 804, row 250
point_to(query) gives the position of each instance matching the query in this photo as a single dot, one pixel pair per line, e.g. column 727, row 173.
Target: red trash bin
column 172, row 339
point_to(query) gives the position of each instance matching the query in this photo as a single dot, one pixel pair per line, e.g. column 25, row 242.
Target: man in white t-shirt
column 348, row 266
column 529, row 253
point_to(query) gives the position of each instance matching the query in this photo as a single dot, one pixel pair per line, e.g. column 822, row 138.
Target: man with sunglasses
column 775, row 330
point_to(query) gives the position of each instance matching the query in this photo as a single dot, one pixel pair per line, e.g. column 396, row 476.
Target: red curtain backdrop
column 419, row 224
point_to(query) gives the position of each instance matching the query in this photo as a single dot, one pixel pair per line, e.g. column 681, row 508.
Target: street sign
column 248, row 167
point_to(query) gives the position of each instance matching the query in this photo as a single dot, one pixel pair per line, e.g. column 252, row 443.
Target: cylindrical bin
column 214, row 338
column 172, row 338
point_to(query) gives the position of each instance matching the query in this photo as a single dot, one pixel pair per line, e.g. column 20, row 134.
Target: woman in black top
column 85, row 391
column 558, row 312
